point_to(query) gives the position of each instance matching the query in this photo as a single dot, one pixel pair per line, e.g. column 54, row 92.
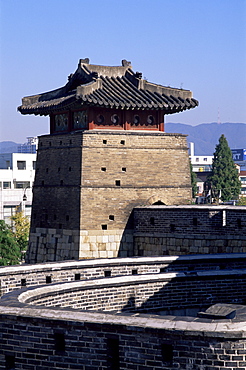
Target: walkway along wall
column 20, row 277
column 112, row 323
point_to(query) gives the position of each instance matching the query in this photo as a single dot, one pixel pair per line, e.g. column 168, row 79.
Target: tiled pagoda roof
column 109, row 87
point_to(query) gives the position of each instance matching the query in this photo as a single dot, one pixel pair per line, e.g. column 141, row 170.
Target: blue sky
column 194, row 44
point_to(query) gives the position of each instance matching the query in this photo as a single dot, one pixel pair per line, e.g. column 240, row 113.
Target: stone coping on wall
column 188, row 236
column 71, row 264
column 14, row 305
column 204, row 207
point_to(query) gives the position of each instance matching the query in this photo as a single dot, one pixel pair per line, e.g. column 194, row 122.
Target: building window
column 195, row 221
column 123, row 169
column 6, row 185
column 61, row 122
column 111, row 217
column 34, row 165
column 152, row 221
column 21, row 165
column 172, row 227
column 117, row 182
column 104, row 141
column 107, row 273
column 113, row 356
column 9, row 362
column 197, row 159
column 167, row 354
column 23, row 282
column 21, row 184
column 104, row 227
column 80, row 120
column 243, row 190
column 122, row 142
column 48, row 279
column 205, row 159
column 103, row 169
column 77, row 276
column 59, row 342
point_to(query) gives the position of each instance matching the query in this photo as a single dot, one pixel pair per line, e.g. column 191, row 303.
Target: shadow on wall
column 130, row 305
column 126, row 248
column 189, row 294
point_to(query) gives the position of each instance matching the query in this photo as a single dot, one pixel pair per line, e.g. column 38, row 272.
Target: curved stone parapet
column 129, row 320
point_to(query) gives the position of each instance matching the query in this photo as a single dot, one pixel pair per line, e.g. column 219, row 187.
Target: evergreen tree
column 224, row 181
column 10, row 253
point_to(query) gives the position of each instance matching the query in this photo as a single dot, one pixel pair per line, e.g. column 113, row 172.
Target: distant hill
column 8, row 147
column 206, row 135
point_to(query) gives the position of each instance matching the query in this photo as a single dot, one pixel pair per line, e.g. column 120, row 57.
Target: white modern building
column 200, row 163
column 242, row 178
column 17, row 171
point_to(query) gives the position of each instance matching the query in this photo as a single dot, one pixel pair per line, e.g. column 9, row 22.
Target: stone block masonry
column 87, row 184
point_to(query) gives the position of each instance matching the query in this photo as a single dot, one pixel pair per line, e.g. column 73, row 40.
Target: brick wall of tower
column 87, row 184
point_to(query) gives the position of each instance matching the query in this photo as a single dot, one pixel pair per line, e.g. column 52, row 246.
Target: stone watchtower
column 106, row 153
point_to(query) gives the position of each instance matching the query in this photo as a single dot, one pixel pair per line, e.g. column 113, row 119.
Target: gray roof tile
column 110, row 87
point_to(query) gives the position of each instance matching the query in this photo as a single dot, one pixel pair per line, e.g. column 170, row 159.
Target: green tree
column 242, row 201
column 21, row 230
column 193, row 181
column 224, row 181
column 10, row 253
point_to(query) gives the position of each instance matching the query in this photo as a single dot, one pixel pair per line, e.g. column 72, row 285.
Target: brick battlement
column 124, row 319
column 170, row 230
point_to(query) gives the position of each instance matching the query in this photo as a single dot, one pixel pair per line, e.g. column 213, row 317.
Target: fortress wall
column 17, row 277
column 63, row 342
column 189, row 230
column 146, row 293
column 36, row 337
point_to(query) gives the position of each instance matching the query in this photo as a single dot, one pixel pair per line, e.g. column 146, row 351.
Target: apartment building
column 17, row 171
